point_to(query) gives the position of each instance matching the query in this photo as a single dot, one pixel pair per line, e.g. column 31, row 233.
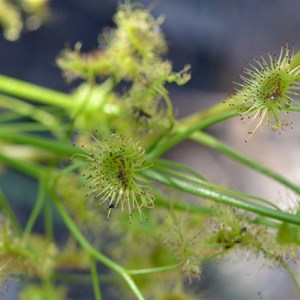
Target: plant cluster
column 96, row 156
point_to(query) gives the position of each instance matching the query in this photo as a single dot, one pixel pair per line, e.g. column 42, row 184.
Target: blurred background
column 217, row 38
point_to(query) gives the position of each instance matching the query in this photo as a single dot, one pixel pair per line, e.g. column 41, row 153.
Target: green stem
column 294, row 108
column 204, row 183
column 9, row 212
column 48, row 219
column 221, row 198
column 35, row 171
column 211, row 142
column 218, row 109
column 95, row 97
column 181, row 167
column 95, row 279
column 183, row 131
column 80, row 109
column 153, row 270
column 26, row 109
column 292, row 275
column 9, row 116
column 169, row 107
column 42, row 194
column 157, row 140
column 163, row 201
column 40, row 142
column 23, row 127
column 34, row 92
column 28, row 168
column 92, row 251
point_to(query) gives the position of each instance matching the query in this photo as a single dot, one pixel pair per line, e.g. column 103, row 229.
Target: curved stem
column 40, row 142
column 96, row 254
column 169, row 107
column 37, row 114
column 9, row 116
column 184, row 168
column 207, row 184
column 221, row 198
column 37, row 208
column 292, row 275
column 212, row 142
column 217, row 109
column 183, row 131
column 163, row 201
column 9, row 212
column 48, row 218
column 28, row 168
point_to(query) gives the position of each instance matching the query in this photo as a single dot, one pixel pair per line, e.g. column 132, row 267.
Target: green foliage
column 175, row 220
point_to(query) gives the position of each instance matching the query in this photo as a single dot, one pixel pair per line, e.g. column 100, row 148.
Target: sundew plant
column 115, row 211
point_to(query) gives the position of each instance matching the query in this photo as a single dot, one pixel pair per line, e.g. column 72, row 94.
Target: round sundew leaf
column 267, row 90
column 113, row 174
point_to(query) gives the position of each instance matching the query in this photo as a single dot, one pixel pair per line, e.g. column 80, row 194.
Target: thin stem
column 23, row 127
column 157, row 140
column 218, row 109
column 212, row 142
column 294, row 108
column 40, row 142
column 95, row 97
column 28, row 110
column 162, row 201
column 169, row 107
column 42, row 194
column 35, row 171
column 35, row 93
column 221, row 198
column 153, row 270
column 9, row 212
column 292, row 275
column 183, row 132
column 48, row 219
column 215, row 187
column 80, row 109
column 95, row 279
column 92, row 251
column 30, row 169
column 181, row 167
